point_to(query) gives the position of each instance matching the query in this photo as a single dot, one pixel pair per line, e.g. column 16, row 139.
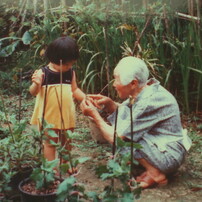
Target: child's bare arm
column 78, row 94
column 37, row 79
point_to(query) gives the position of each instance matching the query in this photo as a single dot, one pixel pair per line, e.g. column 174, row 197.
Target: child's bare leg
column 49, row 151
column 66, row 144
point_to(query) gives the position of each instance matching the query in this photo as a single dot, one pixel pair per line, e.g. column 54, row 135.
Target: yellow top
column 54, row 113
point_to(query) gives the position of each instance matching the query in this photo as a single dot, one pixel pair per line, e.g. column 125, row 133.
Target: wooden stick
column 187, row 17
column 105, row 31
column 141, row 34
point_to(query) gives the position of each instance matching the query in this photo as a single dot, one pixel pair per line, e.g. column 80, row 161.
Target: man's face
column 123, row 90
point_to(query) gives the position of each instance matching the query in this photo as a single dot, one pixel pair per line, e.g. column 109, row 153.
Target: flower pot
column 2, row 197
column 19, row 176
column 15, row 198
column 29, row 197
column 96, row 133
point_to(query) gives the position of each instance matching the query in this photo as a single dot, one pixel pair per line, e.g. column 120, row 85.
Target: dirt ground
column 184, row 186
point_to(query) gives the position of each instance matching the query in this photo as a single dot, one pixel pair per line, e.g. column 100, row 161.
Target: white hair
column 130, row 68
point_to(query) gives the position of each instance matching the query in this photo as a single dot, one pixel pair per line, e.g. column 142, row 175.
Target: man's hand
column 101, row 101
column 88, row 109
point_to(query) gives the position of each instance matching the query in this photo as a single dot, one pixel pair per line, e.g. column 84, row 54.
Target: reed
column 106, row 31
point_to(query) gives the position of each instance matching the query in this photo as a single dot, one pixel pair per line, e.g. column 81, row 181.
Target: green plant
column 118, row 170
column 5, row 176
column 16, row 147
column 17, row 155
column 44, row 174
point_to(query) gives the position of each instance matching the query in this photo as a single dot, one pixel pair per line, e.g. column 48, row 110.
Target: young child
column 55, row 87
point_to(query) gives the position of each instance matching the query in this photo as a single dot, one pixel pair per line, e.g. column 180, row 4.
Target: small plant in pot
column 118, row 170
column 5, row 176
column 44, row 185
column 18, row 156
column 17, row 149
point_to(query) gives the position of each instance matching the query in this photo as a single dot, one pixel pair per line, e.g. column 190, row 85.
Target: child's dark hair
column 63, row 48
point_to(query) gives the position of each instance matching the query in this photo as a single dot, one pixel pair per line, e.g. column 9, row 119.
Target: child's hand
column 37, row 77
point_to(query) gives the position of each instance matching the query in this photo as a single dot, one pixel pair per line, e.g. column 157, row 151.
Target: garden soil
column 184, row 186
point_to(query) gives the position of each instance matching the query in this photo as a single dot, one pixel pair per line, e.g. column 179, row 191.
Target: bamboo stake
column 46, row 6
column 20, row 95
column 21, row 6
column 27, row 6
column 114, row 144
column 191, row 7
column 35, row 6
column 64, row 5
column 41, row 127
column 137, row 42
column 165, row 18
column 132, row 100
column 187, row 17
column 61, row 116
column 115, row 134
column 145, row 3
column 105, row 31
column 198, row 5
column 60, row 103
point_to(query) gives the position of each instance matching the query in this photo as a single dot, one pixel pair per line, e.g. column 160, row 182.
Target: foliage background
column 106, row 31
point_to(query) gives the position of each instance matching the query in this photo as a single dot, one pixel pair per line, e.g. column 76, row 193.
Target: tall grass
column 106, row 31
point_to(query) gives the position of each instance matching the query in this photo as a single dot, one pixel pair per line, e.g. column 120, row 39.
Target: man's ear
column 134, row 83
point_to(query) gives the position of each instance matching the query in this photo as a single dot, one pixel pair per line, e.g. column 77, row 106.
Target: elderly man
column 156, row 121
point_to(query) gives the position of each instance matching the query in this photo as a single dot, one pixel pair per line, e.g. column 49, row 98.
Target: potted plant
column 43, row 184
column 16, row 148
column 118, row 170
column 5, row 176
column 18, row 156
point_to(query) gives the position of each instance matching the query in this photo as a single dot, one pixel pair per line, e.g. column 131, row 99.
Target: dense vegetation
column 164, row 33
column 106, row 31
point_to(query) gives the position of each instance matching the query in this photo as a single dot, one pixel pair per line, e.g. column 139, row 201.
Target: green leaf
column 64, row 168
column 105, row 176
column 50, row 177
column 93, row 195
column 49, row 165
column 8, row 50
column 137, row 145
column 115, row 166
column 64, row 188
column 83, row 159
column 101, row 169
column 52, row 133
column 36, row 174
column 199, row 126
column 26, row 38
column 69, row 134
column 53, row 143
column 129, row 197
column 13, row 18
column 121, row 143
